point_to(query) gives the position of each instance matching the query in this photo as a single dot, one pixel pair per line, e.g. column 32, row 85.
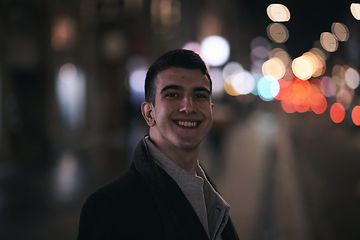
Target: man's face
column 183, row 112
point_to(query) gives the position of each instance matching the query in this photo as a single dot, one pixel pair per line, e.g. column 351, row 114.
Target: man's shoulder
column 127, row 184
column 112, row 212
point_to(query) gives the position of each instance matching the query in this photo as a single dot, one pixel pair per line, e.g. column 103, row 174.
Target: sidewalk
column 260, row 181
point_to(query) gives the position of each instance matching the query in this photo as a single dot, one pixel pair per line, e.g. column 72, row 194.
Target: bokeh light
column 329, row 42
column 303, row 67
column 301, row 96
column 259, row 41
column 114, row 45
column 274, row 67
column 256, row 66
column 243, row 82
column 71, row 93
column 352, row 78
column 308, row 65
column 136, row 61
column 339, row 84
column 278, row 13
column 320, row 66
column 67, row 177
column 217, row 82
column 336, row 70
column 337, row 112
column 167, row 12
column 259, row 52
column 193, row 46
column 230, row 68
column 284, row 84
column 318, row 103
column 281, row 54
column 277, row 32
column 67, row 73
column 63, row 33
column 320, row 53
column 355, row 115
column 137, row 80
column 318, row 63
column 287, row 106
column 355, row 10
column 328, row 87
column 303, row 107
column 345, row 96
column 299, row 91
column 257, row 77
column 268, row 87
column 340, row 31
column 215, row 50
column 228, row 87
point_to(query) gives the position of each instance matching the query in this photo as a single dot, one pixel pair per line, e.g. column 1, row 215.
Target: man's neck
column 186, row 159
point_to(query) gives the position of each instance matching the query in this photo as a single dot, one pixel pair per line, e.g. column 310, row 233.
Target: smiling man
column 180, row 115
column 165, row 194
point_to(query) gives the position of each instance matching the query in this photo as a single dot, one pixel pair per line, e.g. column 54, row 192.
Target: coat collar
column 179, row 218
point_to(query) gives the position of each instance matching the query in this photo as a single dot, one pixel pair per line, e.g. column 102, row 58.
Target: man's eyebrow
column 202, row 89
column 175, row 87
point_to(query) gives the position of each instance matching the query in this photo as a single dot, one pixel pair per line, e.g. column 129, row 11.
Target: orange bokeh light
column 318, row 103
column 355, row 115
column 284, row 84
column 287, row 106
column 229, row 89
column 303, row 107
column 299, row 91
column 337, row 112
column 301, row 96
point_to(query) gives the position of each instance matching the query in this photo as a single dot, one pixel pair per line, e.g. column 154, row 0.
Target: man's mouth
column 187, row 124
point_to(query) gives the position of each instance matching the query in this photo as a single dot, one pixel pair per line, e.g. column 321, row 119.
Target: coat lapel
column 179, row 218
column 183, row 208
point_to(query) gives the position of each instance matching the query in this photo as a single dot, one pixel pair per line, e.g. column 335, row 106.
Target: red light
column 287, row 106
column 355, row 115
column 318, row 103
column 337, row 113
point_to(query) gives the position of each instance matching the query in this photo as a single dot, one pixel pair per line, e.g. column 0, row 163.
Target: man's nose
column 187, row 105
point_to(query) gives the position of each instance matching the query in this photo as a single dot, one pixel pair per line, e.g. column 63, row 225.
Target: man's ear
column 147, row 110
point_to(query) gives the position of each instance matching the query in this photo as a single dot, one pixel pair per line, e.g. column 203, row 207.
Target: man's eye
column 201, row 96
column 171, row 95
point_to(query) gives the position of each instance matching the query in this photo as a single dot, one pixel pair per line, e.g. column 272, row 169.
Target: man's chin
column 188, row 145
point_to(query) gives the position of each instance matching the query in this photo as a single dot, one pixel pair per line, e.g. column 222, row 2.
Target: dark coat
column 142, row 203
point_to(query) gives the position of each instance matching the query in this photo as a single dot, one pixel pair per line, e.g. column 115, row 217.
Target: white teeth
column 187, row 124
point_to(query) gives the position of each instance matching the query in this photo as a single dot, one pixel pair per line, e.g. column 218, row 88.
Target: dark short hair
column 176, row 58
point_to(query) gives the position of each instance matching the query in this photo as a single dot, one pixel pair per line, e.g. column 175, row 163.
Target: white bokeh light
column 215, row 50
column 193, row 46
column 67, row 73
column 243, row 82
column 70, row 87
column 278, row 13
column 329, row 41
column 355, row 10
column 230, row 68
column 217, row 82
column 137, row 80
column 352, row 78
column 67, row 176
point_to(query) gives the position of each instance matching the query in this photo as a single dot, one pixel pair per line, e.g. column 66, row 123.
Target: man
column 165, row 194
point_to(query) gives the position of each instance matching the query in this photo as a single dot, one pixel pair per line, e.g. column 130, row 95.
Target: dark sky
column 309, row 18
